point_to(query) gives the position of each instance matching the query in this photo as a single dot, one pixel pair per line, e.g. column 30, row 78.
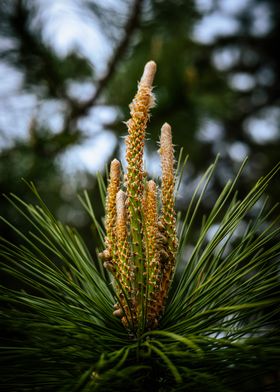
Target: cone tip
column 151, row 65
column 115, row 168
column 166, row 127
column 115, row 162
column 149, row 73
column 121, row 196
column 151, row 185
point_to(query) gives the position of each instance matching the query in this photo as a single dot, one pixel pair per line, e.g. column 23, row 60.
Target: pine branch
column 222, row 313
column 81, row 109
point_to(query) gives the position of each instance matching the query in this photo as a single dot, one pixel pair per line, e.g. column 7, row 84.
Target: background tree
column 219, row 87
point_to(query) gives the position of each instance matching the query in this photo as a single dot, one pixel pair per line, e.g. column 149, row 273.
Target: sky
column 65, row 29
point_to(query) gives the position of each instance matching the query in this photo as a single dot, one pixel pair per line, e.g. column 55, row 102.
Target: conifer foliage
column 207, row 322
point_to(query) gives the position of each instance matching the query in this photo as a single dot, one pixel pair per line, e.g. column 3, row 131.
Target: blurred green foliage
column 193, row 89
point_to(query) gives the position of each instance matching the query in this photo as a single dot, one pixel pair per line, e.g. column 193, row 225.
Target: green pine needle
column 219, row 328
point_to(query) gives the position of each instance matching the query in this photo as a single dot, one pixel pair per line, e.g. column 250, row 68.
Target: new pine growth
column 141, row 242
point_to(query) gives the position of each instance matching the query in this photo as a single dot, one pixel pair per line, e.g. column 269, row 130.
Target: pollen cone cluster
column 140, row 221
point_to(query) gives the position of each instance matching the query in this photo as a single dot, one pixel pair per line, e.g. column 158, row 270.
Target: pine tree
column 207, row 324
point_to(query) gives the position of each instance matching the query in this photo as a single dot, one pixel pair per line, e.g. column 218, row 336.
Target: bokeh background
column 68, row 70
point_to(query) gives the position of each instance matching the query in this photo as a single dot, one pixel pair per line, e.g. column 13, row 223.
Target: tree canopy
column 218, row 85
